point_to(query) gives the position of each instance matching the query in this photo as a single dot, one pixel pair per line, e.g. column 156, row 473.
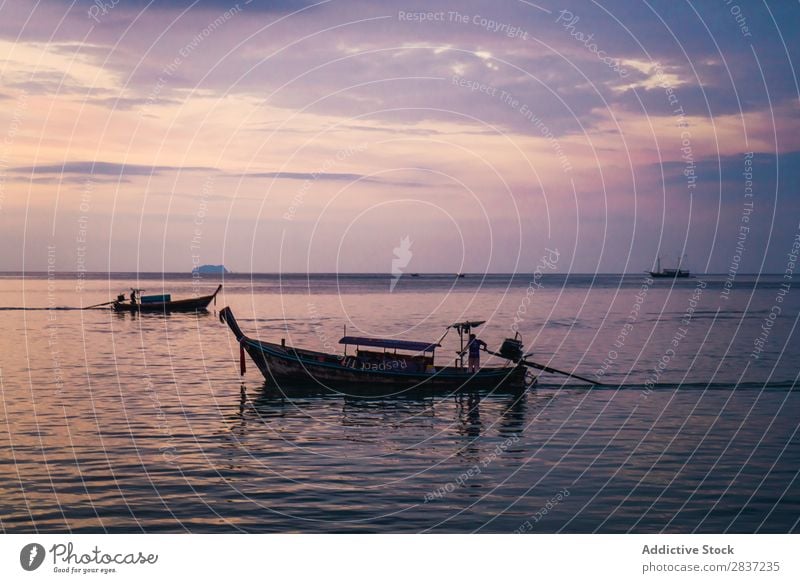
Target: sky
column 348, row 136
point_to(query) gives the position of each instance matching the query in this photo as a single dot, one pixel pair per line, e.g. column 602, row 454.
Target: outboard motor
column 121, row 298
column 511, row 349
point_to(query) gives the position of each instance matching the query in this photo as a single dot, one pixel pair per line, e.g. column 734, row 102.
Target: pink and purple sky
column 301, row 136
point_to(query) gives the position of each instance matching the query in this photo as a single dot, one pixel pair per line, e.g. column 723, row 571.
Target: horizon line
column 84, row 274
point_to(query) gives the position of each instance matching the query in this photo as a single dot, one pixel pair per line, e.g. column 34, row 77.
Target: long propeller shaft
column 556, row 371
column 98, row 305
column 549, row 369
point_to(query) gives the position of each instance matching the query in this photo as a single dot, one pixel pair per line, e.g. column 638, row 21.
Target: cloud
column 70, row 180
column 129, row 103
column 343, row 176
column 330, row 176
column 105, row 169
column 402, row 70
column 77, row 172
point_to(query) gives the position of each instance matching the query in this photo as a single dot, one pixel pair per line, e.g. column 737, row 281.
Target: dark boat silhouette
column 369, row 371
column 164, row 303
column 670, row 273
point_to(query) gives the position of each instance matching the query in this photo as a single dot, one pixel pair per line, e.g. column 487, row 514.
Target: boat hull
column 284, row 366
column 670, row 275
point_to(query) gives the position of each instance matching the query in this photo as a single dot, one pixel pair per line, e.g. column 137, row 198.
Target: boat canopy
column 389, row 343
column 468, row 325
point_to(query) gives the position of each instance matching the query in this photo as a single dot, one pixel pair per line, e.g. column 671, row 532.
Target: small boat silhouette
column 667, row 272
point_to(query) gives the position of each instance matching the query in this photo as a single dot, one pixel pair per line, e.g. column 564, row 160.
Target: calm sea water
column 111, row 422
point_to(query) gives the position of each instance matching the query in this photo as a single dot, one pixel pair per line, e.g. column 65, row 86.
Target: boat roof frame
column 390, row 343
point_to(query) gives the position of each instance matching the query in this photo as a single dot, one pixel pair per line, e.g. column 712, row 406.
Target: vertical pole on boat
column 461, row 353
column 242, row 366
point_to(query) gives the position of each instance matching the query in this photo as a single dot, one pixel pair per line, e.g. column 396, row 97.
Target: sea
column 127, row 423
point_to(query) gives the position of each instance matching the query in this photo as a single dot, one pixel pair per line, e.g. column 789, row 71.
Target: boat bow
column 226, row 317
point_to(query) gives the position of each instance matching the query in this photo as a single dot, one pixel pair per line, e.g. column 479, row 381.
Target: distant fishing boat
column 162, row 303
column 671, row 273
column 368, row 371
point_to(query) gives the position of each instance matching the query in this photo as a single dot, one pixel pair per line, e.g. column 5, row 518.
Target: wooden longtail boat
column 370, row 372
column 198, row 304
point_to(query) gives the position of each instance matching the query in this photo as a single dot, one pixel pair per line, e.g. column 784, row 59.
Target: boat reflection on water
column 150, row 316
column 467, row 416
